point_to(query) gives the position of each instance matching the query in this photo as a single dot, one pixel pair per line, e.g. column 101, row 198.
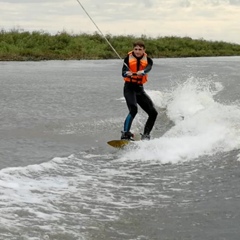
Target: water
column 60, row 180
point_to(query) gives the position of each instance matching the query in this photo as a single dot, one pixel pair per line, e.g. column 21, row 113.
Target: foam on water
column 40, row 200
column 68, row 192
column 203, row 126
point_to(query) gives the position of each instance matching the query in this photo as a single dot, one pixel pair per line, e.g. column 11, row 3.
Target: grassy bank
column 24, row 46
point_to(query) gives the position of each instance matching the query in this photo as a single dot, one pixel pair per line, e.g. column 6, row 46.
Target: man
column 134, row 71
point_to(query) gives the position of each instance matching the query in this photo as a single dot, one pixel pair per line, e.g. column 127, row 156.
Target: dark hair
column 139, row 43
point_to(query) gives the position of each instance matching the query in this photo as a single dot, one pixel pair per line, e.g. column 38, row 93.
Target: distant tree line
column 20, row 45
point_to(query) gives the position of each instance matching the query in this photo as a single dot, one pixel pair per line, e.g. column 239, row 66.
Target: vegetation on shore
column 19, row 45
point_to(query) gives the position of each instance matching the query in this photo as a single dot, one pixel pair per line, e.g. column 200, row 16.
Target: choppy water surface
column 60, row 180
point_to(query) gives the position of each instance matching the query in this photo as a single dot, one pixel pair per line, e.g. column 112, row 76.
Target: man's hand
column 129, row 73
column 141, row 73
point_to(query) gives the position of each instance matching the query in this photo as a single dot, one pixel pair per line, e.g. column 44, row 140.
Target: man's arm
column 149, row 66
column 125, row 69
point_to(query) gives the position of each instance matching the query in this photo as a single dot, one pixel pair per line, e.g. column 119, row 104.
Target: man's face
column 138, row 51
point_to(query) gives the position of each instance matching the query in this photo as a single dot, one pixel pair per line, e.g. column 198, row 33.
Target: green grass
column 18, row 45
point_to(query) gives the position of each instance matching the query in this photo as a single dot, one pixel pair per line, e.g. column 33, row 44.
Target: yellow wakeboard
column 119, row 143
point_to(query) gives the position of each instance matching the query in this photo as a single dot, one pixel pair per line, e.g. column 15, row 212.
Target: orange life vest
column 132, row 63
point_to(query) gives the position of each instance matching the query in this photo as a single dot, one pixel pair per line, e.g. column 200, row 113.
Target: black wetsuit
column 134, row 94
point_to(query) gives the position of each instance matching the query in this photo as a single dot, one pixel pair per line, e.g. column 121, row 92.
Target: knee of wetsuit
column 154, row 113
column 133, row 111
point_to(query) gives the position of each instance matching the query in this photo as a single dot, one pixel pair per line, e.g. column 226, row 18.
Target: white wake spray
column 203, row 126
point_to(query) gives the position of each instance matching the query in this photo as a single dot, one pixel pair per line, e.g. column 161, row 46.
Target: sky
column 215, row 20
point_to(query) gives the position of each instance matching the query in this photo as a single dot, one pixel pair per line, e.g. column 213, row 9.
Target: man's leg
column 131, row 101
column 147, row 105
